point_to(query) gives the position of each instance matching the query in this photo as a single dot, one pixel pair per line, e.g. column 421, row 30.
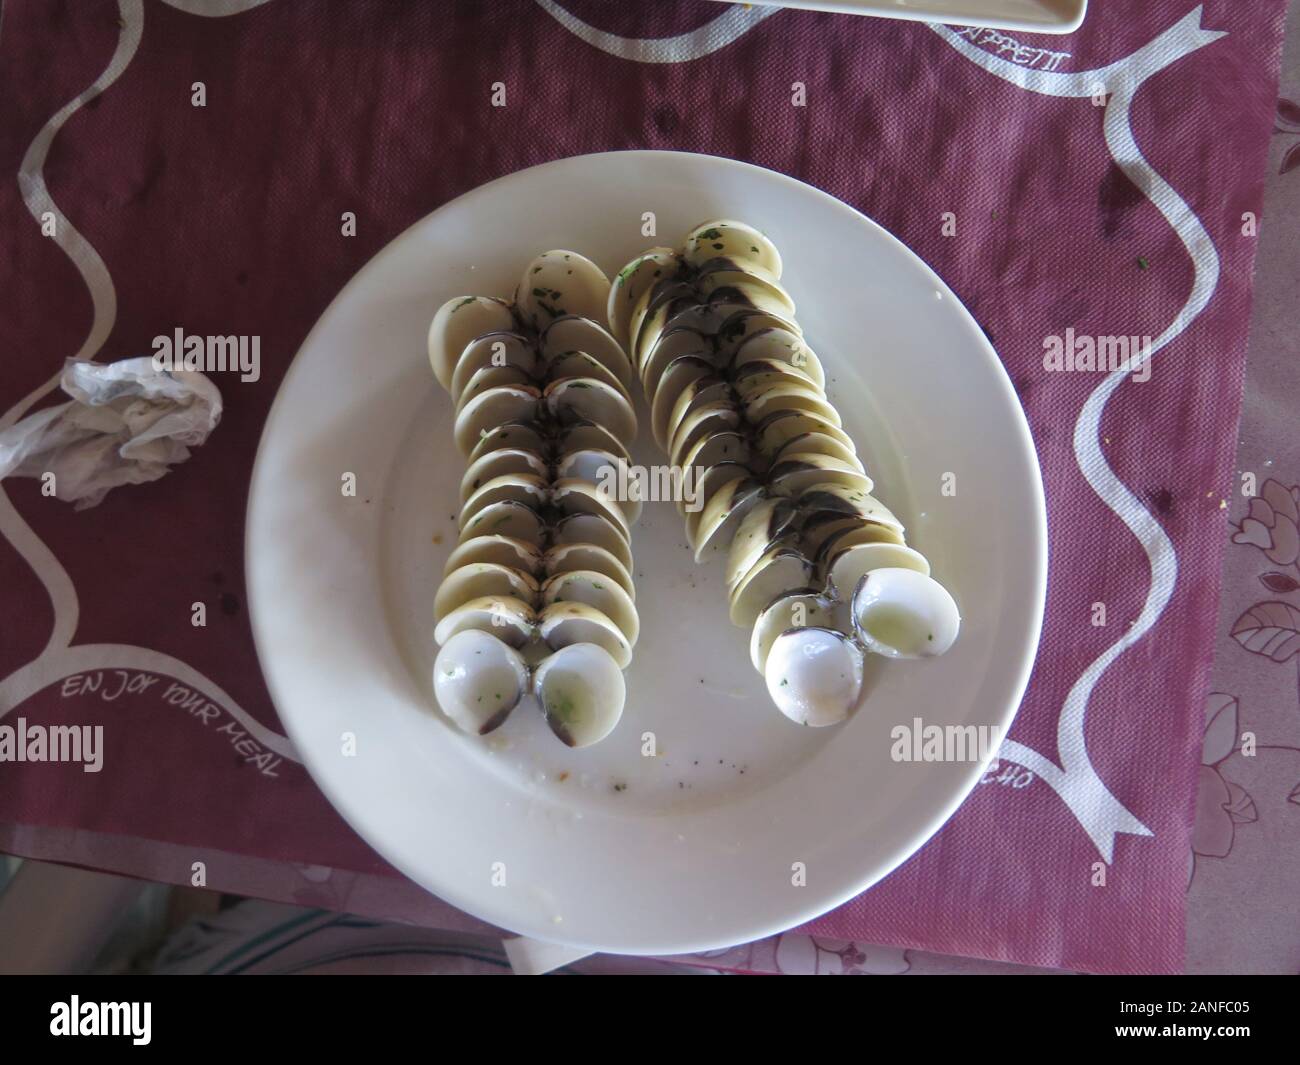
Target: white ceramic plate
column 604, row 848
column 1025, row 16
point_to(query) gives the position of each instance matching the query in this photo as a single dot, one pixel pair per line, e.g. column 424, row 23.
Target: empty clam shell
column 560, row 283
column 778, row 428
column 508, row 619
column 492, row 408
column 832, row 533
column 573, row 333
column 582, row 692
column 780, row 345
column 568, row 558
column 842, row 569
column 593, row 529
column 740, row 325
column 767, row 401
column 562, row 624
column 780, row 571
column 677, row 375
column 699, row 486
column 835, row 498
column 694, row 313
column 573, row 496
column 653, row 309
column 522, row 435
column 459, row 321
column 481, row 580
column 580, row 364
column 671, row 346
column 712, row 418
column 592, row 464
column 699, row 393
column 492, row 351
column 766, row 522
column 723, row 513
column 491, row 377
column 589, row 400
column 798, row 471
column 530, row 489
column 713, row 448
column 499, row 463
column 507, row 518
column 633, row 282
column 707, row 273
column 804, row 443
column 826, row 528
column 728, row 238
column 503, row 550
column 800, row 610
column 727, row 300
column 758, row 374
column 478, row 680
column 814, row 676
column 599, row 591
column 684, row 311
column 606, row 471
column 589, row 435
column 900, row 613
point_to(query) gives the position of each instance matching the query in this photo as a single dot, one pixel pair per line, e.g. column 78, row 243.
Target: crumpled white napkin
column 127, row 423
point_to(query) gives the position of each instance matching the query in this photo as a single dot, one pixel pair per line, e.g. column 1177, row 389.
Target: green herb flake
column 562, row 707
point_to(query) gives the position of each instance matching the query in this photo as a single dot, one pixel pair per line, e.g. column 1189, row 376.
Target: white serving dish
column 605, row 848
column 1024, row 16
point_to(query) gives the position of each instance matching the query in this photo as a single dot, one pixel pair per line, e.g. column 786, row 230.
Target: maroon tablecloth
column 1103, row 184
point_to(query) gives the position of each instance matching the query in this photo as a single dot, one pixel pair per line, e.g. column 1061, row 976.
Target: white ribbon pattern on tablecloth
column 60, row 659
column 1075, row 779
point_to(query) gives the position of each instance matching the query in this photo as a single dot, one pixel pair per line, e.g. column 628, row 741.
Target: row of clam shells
column 537, row 595
column 816, row 566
